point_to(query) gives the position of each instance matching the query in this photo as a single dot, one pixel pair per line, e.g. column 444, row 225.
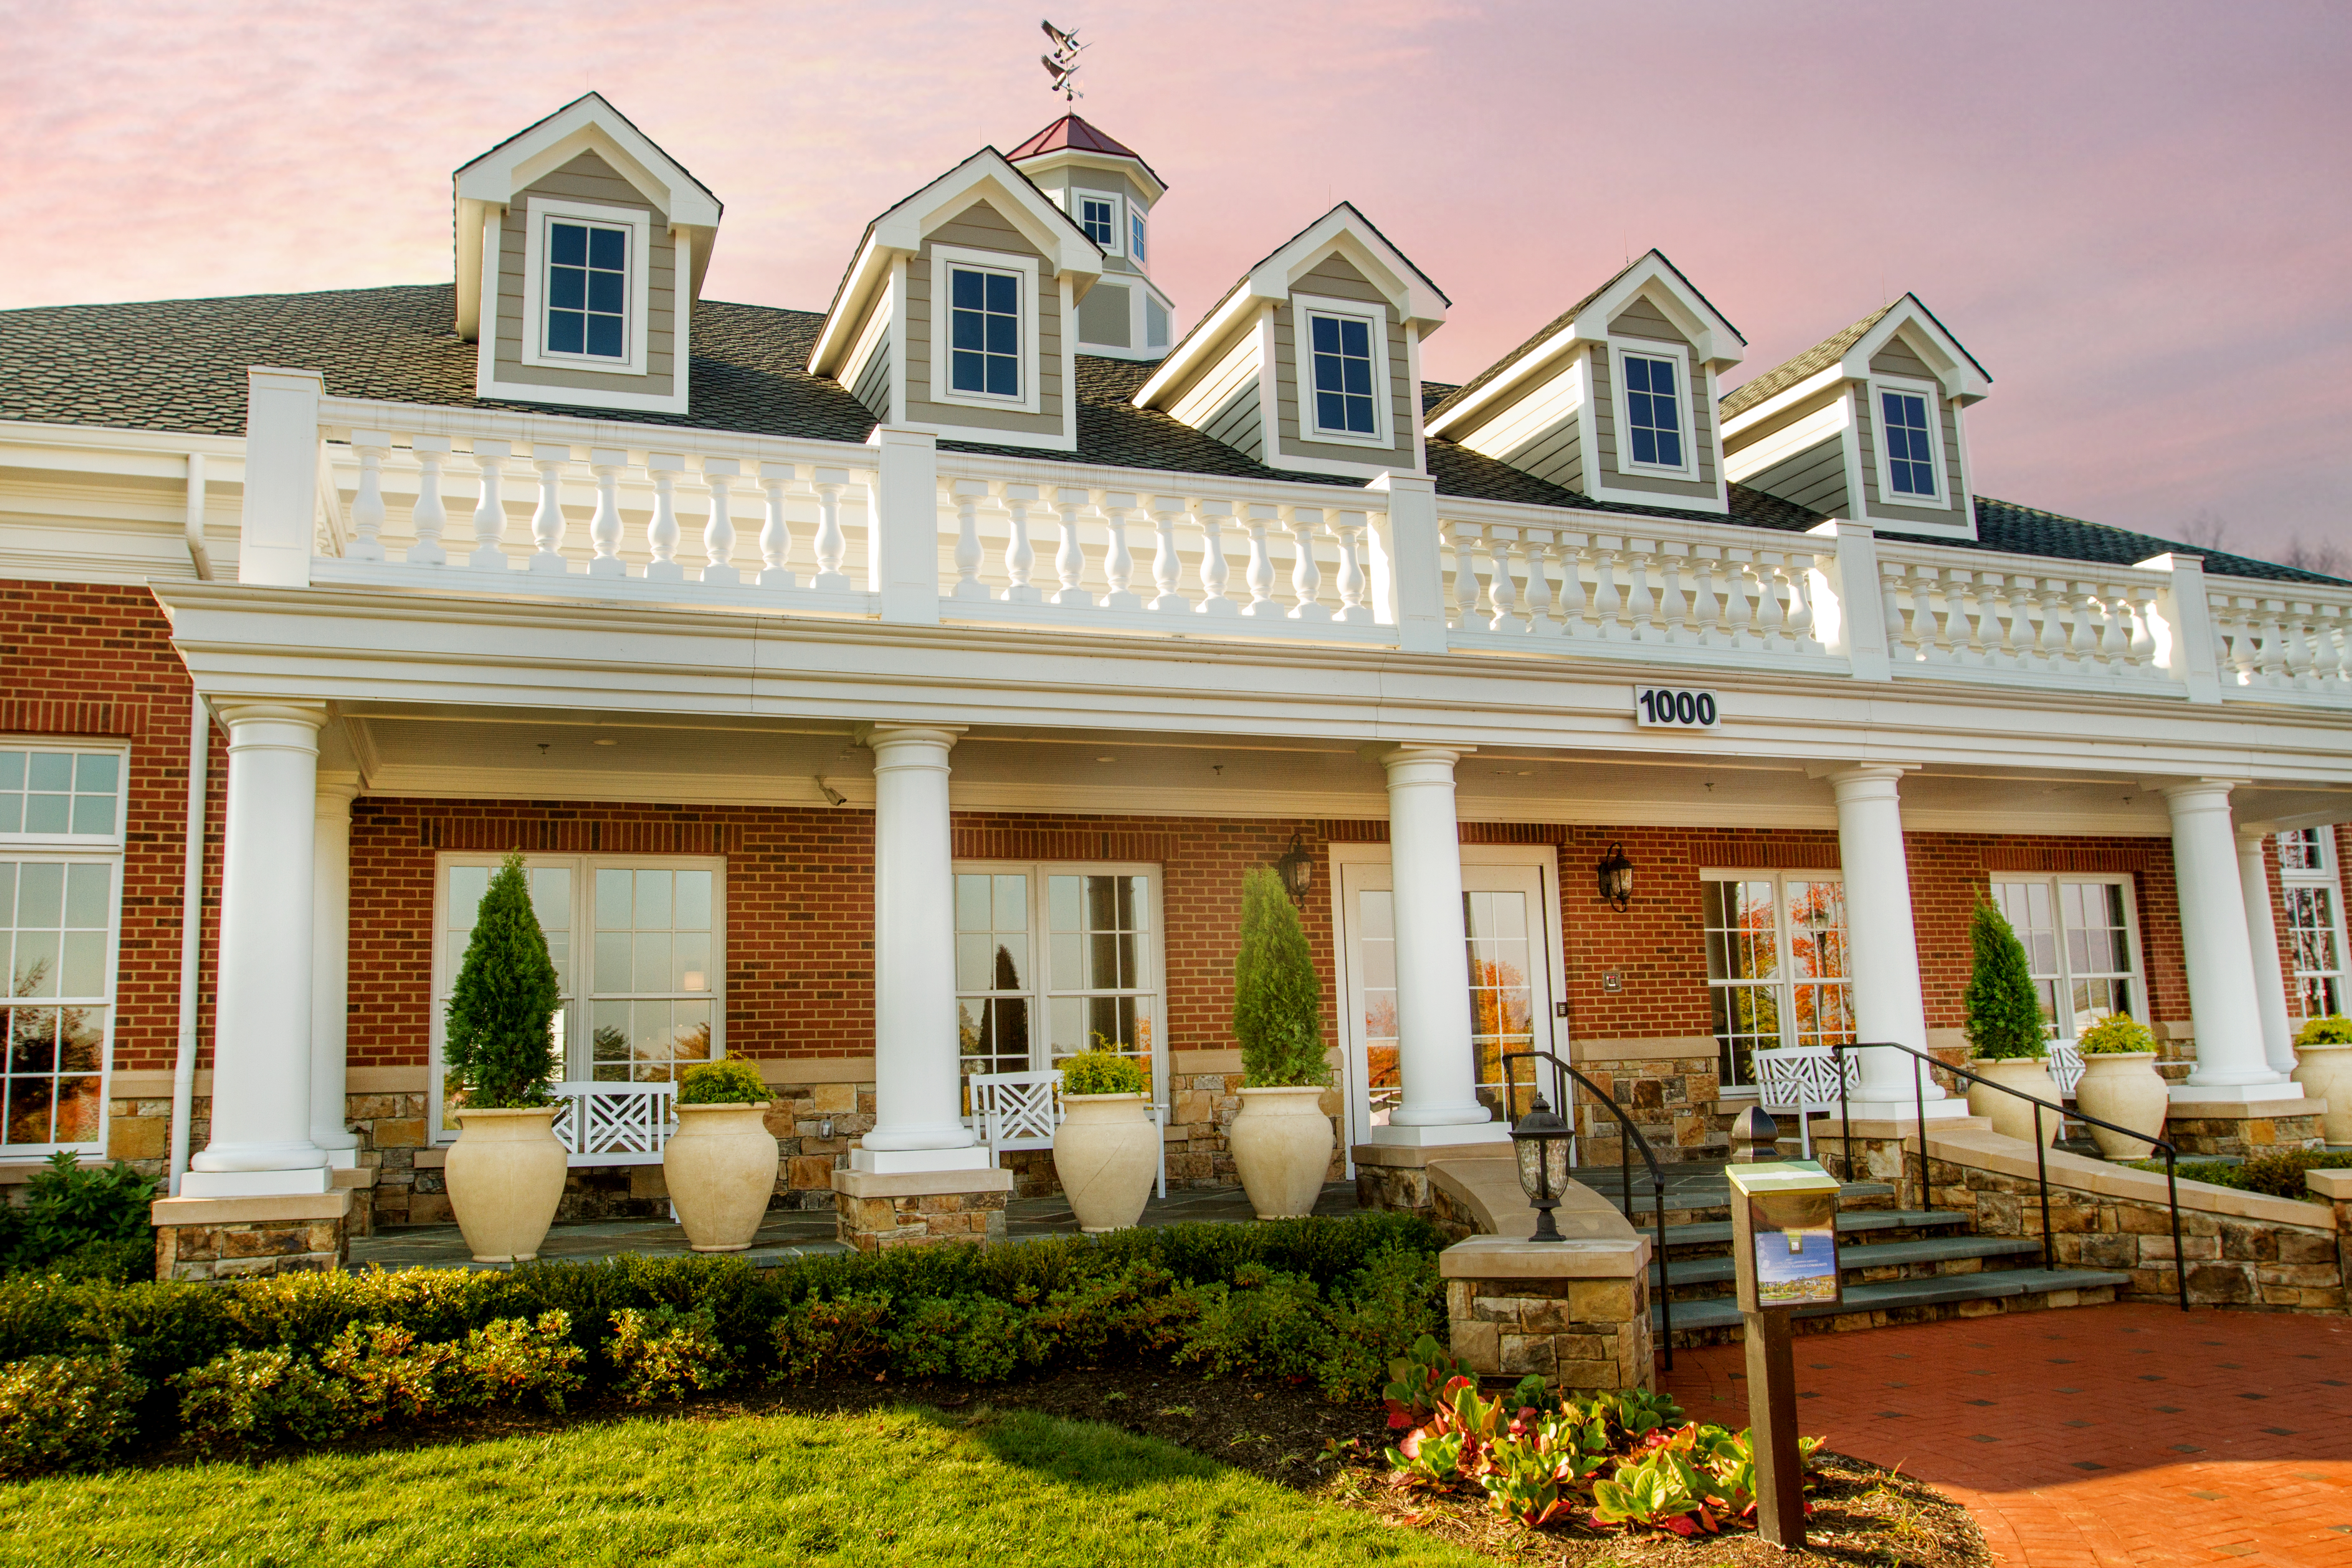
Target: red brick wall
column 88, row 661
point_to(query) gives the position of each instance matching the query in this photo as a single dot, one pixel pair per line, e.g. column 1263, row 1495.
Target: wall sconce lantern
column 1616, row 877
column 1296, row 868
column 1539, row 1139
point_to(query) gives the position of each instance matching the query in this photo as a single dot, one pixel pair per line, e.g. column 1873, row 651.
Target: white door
column 1512, row 950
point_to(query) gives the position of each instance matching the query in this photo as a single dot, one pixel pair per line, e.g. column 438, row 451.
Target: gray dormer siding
column 1335, row 278
column 1638, row 323
column 588, row 178
column 981, row 227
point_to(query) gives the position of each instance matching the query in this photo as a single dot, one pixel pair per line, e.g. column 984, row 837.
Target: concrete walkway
column 796, row 1233
column 2117, row 1437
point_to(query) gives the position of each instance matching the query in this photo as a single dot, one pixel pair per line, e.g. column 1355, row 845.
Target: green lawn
column 903, row 1486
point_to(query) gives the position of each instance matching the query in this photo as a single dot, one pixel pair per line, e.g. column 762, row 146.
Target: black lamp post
column 1616, row 877
column 1297, row 867
column 1539, row 1139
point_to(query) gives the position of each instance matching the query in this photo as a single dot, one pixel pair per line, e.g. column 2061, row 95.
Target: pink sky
column 2138, row 216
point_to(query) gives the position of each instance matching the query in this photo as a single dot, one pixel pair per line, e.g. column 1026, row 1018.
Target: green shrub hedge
column 82, row 1221
column 2278, row 1172
column 306, row 1354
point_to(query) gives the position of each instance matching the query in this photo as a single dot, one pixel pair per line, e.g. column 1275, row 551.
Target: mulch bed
column 1287, row 1433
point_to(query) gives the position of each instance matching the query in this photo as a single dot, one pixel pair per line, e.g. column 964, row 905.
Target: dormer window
column 985, row 331
column 1099, row 216
column 1910, row 450
column 1135, row 236
column 587, row 290
column 1345, row 373
column 1653, row 412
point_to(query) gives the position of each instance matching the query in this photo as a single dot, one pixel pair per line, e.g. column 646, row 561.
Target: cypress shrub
column 1277, row 996
column 502, row 1041
column 2004, row 1006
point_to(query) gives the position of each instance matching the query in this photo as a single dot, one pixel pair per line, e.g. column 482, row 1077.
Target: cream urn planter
column 2124, row 1087
column 505, row 1175
column 1105, row 1155
column 721, row 1167
column 2323, row 1067
column 2012, row 1117
column 1281, row 1145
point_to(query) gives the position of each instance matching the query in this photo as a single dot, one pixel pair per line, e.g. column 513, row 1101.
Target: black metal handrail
column 2041, row 1147
column 1560, row 1071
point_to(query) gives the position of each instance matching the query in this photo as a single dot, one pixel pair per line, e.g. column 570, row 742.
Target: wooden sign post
column 1784, row 1249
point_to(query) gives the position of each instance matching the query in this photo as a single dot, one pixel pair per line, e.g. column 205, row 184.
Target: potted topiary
column 2120, row 1084
column 2323, row 1065
column 506, row 1171
column 2006, row 1030
column 720, row 1165
column 1106, row 1150
column 1282, row 1139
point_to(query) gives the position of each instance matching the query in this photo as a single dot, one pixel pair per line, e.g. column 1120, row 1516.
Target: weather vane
column 1062, row 65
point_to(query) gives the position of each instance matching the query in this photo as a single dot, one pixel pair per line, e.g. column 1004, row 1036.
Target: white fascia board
column 1540, row 361
column 1955, row 371
column 1078, row 158
column 866, row 273
column 1811, row 386
column 1192, row 357
column 1343, row 230
column 1718, row 342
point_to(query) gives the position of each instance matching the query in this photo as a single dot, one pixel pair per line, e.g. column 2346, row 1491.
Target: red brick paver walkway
column 2119, row 1436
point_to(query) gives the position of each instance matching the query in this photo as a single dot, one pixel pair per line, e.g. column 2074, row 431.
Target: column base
column 2198, row 1123
column 255, row 1183
column 1449, row 1135
column 1904, row 1109
column 877, row 1212
column 251, row 1238
column 2278, row 1091
column 896, row 1161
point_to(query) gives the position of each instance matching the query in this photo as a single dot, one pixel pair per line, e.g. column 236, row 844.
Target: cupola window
column 1343, row 374
column 1654, row 416
column 1910, row 458
column 984, row 354
column 587, row 290
column 1099, row 216
column 1135, row 236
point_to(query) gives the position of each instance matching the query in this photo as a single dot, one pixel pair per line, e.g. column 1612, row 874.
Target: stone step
column 1703, row 1278
column 1709, row 1202
column 1912, row 1301
column 1686, row 1241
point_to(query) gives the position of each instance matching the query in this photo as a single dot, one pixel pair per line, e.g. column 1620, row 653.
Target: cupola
column 1109, row 192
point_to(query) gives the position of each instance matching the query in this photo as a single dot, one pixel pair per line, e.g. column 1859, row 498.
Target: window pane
column 605, row 337
column 604, row 292
column 568, row 244
column 608, row 248
column 1325, row 331
column 567, row 289
column 966, row 289
column 1003, row 293
column 1003, row 376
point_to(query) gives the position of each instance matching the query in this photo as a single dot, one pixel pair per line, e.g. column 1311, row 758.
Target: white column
column 2224, row 1007
column 1436, row 1066
column 918, row 1103
column 261, row 1139
column 330, row 953
column 2261, row 942
column 1882, row 947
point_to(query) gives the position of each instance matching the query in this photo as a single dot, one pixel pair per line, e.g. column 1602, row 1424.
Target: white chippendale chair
column 613, row 1123
column 1803, row 1079
column 1015, row 1110
column 2065, row 1064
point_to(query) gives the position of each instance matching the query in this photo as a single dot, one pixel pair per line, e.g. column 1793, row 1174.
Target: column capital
column 336, row 792
column 877, row 738
column 1394, row 755
column 1858, row 780
column 236, row 710
column 2194, row 792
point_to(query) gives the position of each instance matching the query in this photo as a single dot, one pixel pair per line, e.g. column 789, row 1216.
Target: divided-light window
column 1910, row 456
column 2079, row 945
column 1654, row 415
column 1343, row 374
column 2315, row 920
column 587, row 288
column 1135, row 236
column 1099, row 216
column 985, row 331
column 1053, row 959
column 1777, row 965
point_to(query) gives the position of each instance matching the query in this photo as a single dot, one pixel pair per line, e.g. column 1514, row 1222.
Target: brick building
column 1039, row 625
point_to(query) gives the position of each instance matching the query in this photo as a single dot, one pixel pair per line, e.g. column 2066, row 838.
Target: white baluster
column 1797, row 572
column 1119, row 562
column 1706, row 604
column 775, row 531
column 1260, row 573
column 1641, row 605
column 367, row 505
column 2275, row 667
column 1214, row 515
column 1935, row 609
column 1020, row 558
column 428, row 517
column 1305, row 572
column 832, row 545
column 1573, row 621
column 489, row 511
column 2114, row 630
column 2024, row 643
column 1607, row 607
column 1504, row 595
column 1449, row 578
column 2142, row 650
column 2327, row 657
column 547, row 523
column 662, row 533
column 1070, row 557
column 719, row 532
column 604, row 527
column 2304, row 654
column 1349, row 526
column 1900, row 648
column 1984, row 618
column 1674, row 604
column 1537, row 549
column 1772, row 620
column 1167, row 566
column 968, row 494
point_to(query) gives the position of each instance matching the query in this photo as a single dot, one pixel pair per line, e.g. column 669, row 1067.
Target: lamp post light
column 1296, row 868
column 1539, row 1139
column 1616, row 874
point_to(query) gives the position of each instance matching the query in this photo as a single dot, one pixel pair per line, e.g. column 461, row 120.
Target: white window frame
column 2328, row 878
column 1040, row 990
column 1139, row 237
column 1080, row 196
column 1687, row 392
column 1933, row 396
column 539, row 212
column 1305, row 308
column 578, row 1062
column 945, row 258
column 76, row 848
column 1785, row 982
column 2062, row 1017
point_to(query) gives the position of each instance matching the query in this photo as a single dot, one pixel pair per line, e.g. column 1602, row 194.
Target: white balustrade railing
column 490, row 501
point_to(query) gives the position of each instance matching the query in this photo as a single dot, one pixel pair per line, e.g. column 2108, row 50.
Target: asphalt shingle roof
column 180, row 365
column 1812, row 361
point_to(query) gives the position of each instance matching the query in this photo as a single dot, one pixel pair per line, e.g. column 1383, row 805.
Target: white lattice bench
column 614, row 1124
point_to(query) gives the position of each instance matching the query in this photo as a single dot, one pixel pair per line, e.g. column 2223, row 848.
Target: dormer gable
column 581, row 247
column 1110, row 193
column 1312, row 361
column 957, row 314
column 1867, row 424
column 1613, row 397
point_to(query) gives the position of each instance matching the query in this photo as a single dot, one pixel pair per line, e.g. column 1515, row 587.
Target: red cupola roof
column 1072, row 135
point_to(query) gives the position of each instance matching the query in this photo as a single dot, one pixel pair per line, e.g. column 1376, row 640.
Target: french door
column 1510, row 918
